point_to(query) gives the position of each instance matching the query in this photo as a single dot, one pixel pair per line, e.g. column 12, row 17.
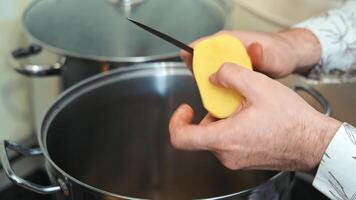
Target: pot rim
column 120, row 75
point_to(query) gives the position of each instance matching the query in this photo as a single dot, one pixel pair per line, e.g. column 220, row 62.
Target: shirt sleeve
column 336, row 176
column 336, row 31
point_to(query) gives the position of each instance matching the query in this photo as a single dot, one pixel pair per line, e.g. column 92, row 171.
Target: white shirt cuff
column 336, row 176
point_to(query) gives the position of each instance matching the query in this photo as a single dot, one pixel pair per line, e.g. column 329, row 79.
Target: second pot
column 91, row 36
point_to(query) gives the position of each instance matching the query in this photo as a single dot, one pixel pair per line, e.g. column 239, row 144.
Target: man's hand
column 273, row 129
column 276, row 54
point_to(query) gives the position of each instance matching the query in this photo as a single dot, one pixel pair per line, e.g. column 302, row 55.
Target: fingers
column 255, row 52
column 260, row 61
column 187, row 58
column 247, row 82
column 185, row 135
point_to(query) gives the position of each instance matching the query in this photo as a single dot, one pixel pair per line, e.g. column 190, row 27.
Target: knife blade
column 163, row 36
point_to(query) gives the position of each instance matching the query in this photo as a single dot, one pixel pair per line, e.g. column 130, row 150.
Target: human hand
column 276, row 54
column 273, row 129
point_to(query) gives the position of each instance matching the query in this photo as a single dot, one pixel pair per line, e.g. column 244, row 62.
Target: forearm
column 307, row 48
column 336, row 32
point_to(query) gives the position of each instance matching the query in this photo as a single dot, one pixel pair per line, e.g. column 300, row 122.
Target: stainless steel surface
column 23, row 166
column 317, row 96
column 302, row 189
column 99, row 30
column 107, row 138
column 341, row 97
column 4, row 145
column 95, row 36
column 164, row 36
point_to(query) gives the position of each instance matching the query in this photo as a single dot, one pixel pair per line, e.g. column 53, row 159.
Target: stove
column 302, row 188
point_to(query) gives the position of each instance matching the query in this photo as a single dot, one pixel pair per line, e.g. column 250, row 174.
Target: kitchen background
column 19, row 101
column 24, row 100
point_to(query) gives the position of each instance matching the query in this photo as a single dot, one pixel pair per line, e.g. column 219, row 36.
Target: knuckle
column 225, row 70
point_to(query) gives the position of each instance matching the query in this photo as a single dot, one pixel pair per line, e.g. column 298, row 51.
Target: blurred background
column 15, row 108
column 19, row 95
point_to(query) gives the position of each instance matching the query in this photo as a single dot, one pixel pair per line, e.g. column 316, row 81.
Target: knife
column 163, row 36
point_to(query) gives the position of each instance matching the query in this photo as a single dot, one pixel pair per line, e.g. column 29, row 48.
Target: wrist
column 322, row 133
column 305, row 47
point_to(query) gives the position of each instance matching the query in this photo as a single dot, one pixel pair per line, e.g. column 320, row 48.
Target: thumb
column 243, row 80
column 188, row 136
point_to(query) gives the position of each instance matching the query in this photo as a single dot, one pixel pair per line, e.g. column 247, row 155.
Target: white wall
column 15, row 119
column 274, row 15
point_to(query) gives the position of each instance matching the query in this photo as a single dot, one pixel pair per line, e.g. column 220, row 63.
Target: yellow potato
column 209, row 55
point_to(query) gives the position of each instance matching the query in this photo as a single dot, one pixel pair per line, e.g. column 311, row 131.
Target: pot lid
column 98, row 29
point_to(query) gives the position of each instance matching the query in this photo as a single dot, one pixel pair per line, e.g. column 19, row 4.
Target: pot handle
column 4, row 145
column 317, row 96
column 34, row 69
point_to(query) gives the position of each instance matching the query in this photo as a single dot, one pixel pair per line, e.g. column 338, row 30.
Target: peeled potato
column 209, row 55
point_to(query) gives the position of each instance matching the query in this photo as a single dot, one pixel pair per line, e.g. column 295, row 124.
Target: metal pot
column 107, row 138
column 91, row 36
column 73, row 40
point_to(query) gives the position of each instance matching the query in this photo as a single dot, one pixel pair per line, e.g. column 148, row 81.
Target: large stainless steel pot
column 107, row 138
column 91, row 36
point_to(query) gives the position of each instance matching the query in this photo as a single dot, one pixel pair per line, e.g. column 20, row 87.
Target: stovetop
column 302, row 190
